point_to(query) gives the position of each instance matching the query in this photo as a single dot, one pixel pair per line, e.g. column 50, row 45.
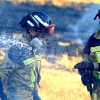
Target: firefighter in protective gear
column 91, row 61
column 25, row 64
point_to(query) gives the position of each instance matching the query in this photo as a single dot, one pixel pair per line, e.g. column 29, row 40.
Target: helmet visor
column 51, row 28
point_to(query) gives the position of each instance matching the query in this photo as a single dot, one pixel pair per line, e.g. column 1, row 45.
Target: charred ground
column 63, row 17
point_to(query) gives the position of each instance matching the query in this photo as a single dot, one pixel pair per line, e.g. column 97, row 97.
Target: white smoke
column 2, row 7
column 86, row 24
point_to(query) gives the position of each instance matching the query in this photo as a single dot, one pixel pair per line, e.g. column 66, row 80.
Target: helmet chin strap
column 34, row 50
column 28, row 36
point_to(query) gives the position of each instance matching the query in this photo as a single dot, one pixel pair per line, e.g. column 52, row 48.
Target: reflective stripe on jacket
column 92, row 50
column 24, row 75
column 36, row 62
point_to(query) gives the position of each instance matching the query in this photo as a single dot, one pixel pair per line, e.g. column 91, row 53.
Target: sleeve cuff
column 96, row 66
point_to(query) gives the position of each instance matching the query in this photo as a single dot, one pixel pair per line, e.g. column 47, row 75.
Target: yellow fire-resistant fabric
column 96, row 51
column 31, row 60
column 36, row 62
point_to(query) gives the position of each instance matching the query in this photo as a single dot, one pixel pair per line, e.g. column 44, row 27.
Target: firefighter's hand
column 84, row 65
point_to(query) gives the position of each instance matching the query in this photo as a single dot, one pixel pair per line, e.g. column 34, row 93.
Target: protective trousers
column 96, row 92
column 35, row 95
column 2, row 94
column 22, row 95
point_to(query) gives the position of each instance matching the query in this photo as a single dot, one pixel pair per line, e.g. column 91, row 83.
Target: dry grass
column 57, row 2
column 61, row 85
column 63, row 62
column 58, row 84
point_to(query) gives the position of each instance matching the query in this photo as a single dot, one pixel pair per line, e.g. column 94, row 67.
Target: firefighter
column 91, row 62
column 25, row 62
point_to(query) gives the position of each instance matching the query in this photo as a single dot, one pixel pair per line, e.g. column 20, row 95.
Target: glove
column 84, row 80
column 82, row 71
column 84, row 65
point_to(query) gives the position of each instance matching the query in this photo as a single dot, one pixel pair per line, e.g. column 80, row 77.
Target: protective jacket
column 92, row 54
column 23, row 69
